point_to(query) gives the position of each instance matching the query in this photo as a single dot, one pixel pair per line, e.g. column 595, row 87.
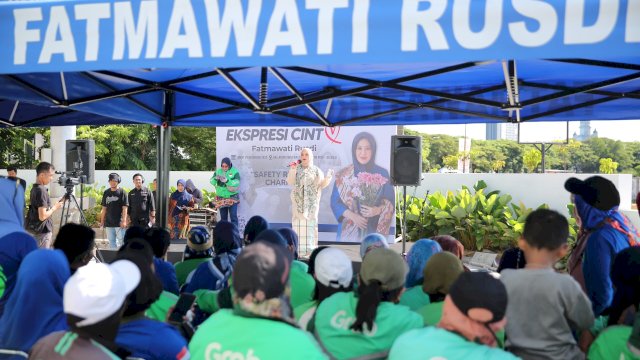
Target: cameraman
column 40, row 209
column 113, row 215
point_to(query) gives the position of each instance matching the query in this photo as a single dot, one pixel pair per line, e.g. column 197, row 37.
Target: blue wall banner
column 51, row 36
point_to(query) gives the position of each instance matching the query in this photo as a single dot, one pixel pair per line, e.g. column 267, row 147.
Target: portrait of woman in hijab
column 363, row 198
column 179, row 205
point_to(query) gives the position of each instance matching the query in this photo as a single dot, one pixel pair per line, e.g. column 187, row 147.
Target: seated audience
column 35, row 307
column 512, row 258
column 450, row 244
column 372, row 241
column 596, row 202
column 160, row 239
column 333, row 273
column 559, row 304
column 15, row 242
column 143, row 337
column 199, row 249
column 366, row 325
column 93, row 300
column 441, row 271
column 472, row 313
column 215, row 273
column 134, row 232
column 261, row 325
column 78, row 242
column 292, row 241
column 254, row 226
column 301, row 282
column 417, row 258
column 622, row 341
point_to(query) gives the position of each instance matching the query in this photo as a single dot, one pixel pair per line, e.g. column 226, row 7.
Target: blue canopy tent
column 319, row 63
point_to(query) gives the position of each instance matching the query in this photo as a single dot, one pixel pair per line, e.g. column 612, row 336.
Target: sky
column 626, row 130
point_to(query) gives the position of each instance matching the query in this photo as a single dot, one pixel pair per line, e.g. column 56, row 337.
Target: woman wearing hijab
column 357, row 213
column 441, row 271
column 226, row 179
column 307, row 182
column 372, row 241
column 179, row 204
column 253, row 227
column 35, row 307
column 15, row 242
column 417, row 258
column 261, row 312
column 215, row 273
column 604, row 232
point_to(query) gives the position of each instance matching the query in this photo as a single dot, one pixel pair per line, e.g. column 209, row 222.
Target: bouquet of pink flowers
column 368, row 187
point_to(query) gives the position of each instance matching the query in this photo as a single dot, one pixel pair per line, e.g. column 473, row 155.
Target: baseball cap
column 479, row 290
column 595, row 191
column 262, row 267
column 97, row 290
column 385, row 266
column 333, row 268
column 199, row 239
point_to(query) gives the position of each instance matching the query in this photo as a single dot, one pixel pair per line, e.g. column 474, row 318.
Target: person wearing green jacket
column 261, row 323
column 365, row 325
column 226, row 179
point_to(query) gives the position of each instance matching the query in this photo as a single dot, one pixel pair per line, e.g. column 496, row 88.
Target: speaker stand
column 404, row 219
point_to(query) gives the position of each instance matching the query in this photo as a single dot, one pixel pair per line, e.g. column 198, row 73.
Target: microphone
column 294, row 163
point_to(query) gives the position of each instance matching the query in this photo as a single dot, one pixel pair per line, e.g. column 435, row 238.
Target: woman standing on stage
column 307, row 181
column 226, row 179
column 179, row 205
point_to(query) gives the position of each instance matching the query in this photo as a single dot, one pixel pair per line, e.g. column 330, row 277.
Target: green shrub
column 93, row 216
column 480, row 221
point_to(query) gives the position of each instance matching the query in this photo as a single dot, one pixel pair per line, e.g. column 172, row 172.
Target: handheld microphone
column 294, row 163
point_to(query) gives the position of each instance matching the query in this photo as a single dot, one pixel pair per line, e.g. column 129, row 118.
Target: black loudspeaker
column 406, row 160
column 81, row 154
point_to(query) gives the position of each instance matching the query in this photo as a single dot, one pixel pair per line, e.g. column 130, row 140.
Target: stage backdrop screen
column 359, row 156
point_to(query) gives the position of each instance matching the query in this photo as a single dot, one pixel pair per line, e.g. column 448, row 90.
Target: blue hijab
column 372, row 241
column 417, row 258
column 592, row 218
column 35, row 308
column 11, row 207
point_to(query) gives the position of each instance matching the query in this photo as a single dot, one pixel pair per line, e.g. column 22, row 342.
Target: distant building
column 511, row 132
column 493, row 131
column 585, row 132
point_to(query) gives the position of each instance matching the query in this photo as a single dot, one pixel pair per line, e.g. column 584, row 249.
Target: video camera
column 69, row 179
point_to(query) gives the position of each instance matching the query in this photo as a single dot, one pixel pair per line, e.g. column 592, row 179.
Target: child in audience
column 545, row 306
column 621, row 341
column 366, row 324
column 472, row 313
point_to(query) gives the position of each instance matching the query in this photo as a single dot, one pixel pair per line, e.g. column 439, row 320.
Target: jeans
column 232, row 211
column 115, row 236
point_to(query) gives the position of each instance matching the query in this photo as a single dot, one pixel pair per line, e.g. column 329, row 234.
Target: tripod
column 69, row 200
